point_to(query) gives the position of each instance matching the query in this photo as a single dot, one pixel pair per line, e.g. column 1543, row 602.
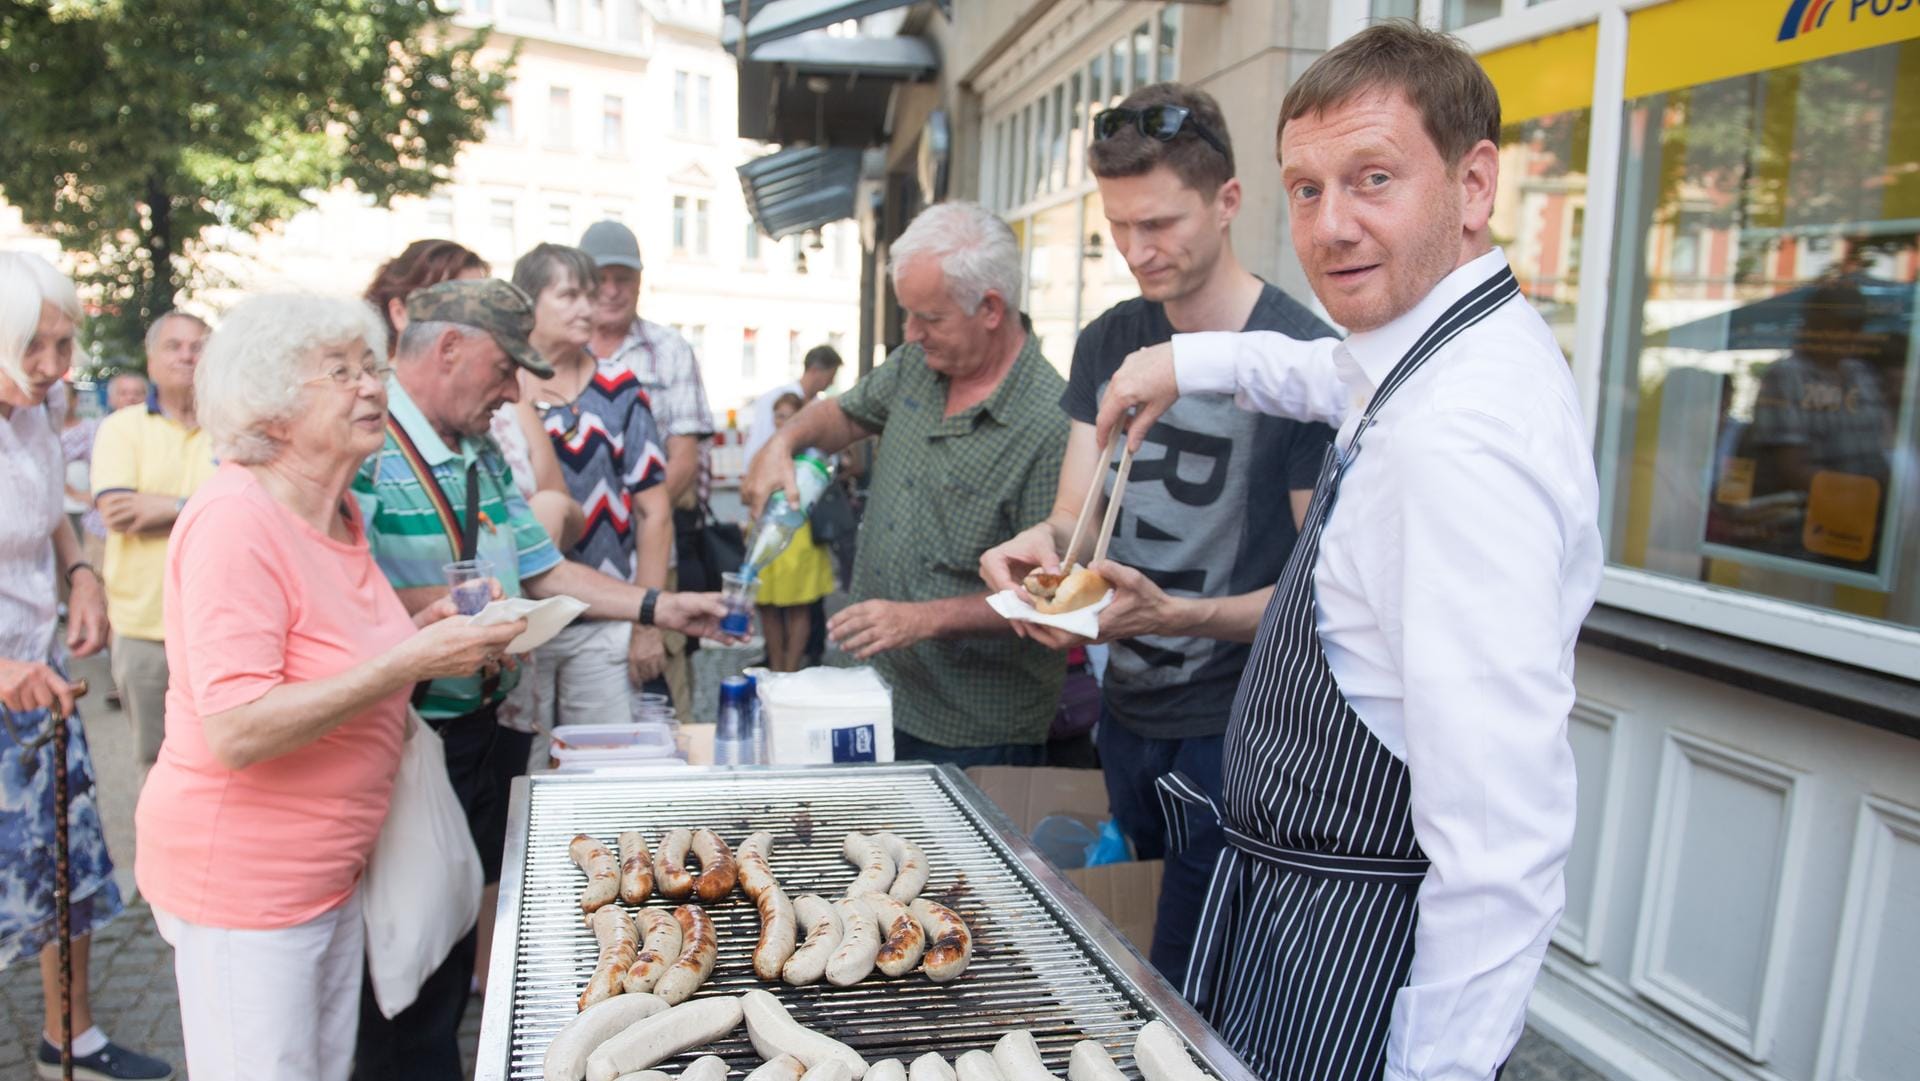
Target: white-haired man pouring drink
column 1399, row 790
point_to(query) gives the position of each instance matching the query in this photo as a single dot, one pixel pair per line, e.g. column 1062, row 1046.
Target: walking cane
column 63, row 880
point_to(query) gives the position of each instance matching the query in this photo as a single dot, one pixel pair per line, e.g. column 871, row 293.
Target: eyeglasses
column 345, row 375
column 1161, row 122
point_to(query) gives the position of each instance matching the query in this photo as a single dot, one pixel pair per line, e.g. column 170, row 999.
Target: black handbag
column 832, row 517
column 707, row 547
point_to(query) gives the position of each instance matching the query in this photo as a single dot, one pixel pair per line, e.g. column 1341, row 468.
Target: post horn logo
column 1804, row 16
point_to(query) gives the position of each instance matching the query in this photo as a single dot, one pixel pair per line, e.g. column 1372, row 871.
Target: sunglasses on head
column 1161, row 122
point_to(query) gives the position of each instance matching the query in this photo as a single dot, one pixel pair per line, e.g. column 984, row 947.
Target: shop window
column 1546, row 87
column 1053, row 281
column 1758, row 425
column 1394, row 9
column 1104, row 277
column 1458, row 13
column 1057, row 156
column 1117, row 84
column 1166, row 57
column 1142, row 55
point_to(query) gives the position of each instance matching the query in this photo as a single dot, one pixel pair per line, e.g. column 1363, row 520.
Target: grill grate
column 1035, row 966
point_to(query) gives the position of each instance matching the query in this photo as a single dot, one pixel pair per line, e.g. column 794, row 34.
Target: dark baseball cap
column 611, row 244
column 502, row 309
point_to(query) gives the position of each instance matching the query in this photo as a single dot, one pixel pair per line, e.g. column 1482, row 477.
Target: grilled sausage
column 718, row 872
column 776, row 943
column 603, row 875
column 1090, row 1062
column 670, row 876
column 659, row 949
column 876, row 867
column 1018, row 1056
column 902, row 939
column 698, row 948
column 1162, row 1055
column 774, row 1032
column 909, row 866
column 949, row 943
column 566, row 1056
column 755, row 875
column 613, row 930
column 664, row 1035
column 859, row 943
column 636, row 867
column 809, row 962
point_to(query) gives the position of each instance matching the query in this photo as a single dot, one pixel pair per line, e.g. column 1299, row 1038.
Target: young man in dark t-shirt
column 1213, row 500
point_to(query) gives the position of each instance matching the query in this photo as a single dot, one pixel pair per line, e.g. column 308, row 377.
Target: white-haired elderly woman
column 971, row 437
column 291, row 661
column 39, row 315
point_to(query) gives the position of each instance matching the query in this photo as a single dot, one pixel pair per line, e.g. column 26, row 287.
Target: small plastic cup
column 736, row 592
column 471, row 582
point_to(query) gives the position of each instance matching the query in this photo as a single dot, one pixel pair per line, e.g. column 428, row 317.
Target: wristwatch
column 647, row 604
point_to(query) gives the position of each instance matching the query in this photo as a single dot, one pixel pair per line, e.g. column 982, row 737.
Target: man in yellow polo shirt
column 147, row 459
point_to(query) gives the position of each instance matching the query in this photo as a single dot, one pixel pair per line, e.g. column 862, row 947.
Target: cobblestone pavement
column 133, row 989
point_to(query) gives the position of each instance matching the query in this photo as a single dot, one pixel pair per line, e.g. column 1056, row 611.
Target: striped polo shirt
column 409, row 538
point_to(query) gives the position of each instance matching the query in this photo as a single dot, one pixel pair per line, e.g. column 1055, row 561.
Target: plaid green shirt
column 946, row 489
column 410, row 542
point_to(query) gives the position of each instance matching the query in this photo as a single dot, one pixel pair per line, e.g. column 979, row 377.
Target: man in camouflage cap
column 458, row 359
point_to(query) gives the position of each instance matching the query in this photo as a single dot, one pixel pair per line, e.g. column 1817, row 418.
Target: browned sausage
column 718, row 871
column 659, row 949
column 618, row 943
column 949, row 943
column 698, row 947
column 603, row 876
column 636, row 867
column 670, row 875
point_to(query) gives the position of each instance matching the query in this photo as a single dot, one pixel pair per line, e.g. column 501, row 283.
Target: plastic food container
column 598, row 746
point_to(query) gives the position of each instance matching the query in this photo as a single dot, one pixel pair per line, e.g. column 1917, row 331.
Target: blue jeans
column 1132, row 763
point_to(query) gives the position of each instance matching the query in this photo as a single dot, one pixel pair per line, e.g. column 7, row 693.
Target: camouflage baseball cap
column 500, row 308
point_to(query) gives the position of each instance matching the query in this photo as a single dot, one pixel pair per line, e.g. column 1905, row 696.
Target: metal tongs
column 1093, row 497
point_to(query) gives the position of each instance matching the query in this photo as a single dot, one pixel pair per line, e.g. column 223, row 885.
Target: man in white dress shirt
column 1399, row 787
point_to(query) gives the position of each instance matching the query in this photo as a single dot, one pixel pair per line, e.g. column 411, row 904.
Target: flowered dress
column 31, row 489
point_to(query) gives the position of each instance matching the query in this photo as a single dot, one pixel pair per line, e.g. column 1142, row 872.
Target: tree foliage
column 135, row 131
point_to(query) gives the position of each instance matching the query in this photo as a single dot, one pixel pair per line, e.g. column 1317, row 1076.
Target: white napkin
column 544, row 619
column 1013, row 604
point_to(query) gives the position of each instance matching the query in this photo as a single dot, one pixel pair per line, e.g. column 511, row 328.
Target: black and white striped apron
column 1307, row 931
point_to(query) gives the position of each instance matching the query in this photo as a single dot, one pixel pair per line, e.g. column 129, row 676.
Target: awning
column 817, row 54
column 800, row 188
column 827, row 91
column 776, row 19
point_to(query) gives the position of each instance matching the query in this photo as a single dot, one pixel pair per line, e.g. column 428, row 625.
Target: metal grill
column 1044, row 960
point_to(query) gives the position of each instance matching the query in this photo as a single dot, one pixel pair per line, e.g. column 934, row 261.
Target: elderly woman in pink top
column 292, row 659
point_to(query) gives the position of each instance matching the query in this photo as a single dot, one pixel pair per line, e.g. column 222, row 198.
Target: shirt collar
column 153, row 401
column 1006, row 399
column 1367, row 357
column 406, row 414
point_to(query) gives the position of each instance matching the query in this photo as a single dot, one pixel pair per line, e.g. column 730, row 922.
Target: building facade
column 619, row 109
column 1716, row 205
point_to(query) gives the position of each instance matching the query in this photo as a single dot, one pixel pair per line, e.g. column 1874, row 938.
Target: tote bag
column 422, row 890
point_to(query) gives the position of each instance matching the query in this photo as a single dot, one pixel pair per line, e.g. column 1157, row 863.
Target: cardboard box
column 1126, row 893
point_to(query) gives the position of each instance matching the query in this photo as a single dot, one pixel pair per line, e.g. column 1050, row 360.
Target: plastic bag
column 422, row 888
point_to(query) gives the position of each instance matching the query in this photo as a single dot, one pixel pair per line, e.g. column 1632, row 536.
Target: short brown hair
column 1198, row 165
column 423, row 263
column 1457, row 102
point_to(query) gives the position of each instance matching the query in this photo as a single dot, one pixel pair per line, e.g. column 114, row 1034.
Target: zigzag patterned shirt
column 610, row 451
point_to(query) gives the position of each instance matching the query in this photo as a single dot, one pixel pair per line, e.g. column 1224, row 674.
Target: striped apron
column 1307, row 931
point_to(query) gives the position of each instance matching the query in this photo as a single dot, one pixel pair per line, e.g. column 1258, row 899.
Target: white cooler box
column 821, row 715
column 599, row 746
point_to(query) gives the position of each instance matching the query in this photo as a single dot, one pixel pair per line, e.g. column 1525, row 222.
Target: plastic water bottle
column 781, row 520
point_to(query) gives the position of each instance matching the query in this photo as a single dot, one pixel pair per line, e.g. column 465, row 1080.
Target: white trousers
column 580, row 676
column 281, row 1005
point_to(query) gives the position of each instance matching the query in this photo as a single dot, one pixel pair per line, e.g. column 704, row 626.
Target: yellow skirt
column 800, row 575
